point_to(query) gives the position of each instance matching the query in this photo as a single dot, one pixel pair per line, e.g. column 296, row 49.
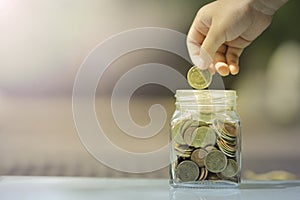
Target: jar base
column 205, row 184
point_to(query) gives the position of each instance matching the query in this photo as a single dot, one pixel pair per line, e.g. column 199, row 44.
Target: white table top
column 74, row 188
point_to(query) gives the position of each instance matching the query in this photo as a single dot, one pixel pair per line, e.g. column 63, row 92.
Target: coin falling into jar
column 199, row 79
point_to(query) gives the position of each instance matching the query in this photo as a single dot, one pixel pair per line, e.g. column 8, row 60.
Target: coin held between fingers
column 199, row 62
column 199, row 79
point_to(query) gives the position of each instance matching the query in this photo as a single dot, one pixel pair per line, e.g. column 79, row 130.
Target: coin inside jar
column 215, row 161
column 231, row 169
column 203, row 136
column 187, row 171
column 176, row 132
column 230, row 129
column 198, row 156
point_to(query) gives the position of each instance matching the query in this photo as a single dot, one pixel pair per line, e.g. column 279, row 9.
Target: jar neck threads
column 191, row 98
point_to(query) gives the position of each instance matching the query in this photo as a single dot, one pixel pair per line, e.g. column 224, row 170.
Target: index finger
column 195, row 39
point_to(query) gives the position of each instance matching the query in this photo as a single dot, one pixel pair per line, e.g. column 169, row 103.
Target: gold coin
column 199, row 79
column 182, row 154
column 206, row 117
column 188, row 135
column 203, row 136
column 188, row 123
column 206, row 173
column 203, row 123
column 210, row 148
column 176, row 132
column 183, row 148
column 215, row 161
column 226, row 148
column 218, row 126
column 183, row 151
column 230, row 129
column 203, row 174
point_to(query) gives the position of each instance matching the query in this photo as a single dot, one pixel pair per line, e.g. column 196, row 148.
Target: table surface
column 107, row 188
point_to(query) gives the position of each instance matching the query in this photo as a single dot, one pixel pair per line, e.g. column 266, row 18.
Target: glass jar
column 205, row 140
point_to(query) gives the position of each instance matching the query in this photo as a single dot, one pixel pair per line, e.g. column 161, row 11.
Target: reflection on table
column 36, row 188
column 248, row 190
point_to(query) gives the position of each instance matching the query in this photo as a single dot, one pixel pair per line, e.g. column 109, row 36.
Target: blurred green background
column 43, row 43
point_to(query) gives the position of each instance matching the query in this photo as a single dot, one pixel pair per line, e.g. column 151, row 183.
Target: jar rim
column 192, row 91
column 206, row 97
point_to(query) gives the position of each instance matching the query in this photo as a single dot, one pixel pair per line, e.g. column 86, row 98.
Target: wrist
column 267, row 7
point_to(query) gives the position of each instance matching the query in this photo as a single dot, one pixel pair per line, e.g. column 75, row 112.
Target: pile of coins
column 205, row 150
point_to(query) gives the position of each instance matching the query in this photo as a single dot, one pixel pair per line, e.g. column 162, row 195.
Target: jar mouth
column 192, row 91
column 206, row 97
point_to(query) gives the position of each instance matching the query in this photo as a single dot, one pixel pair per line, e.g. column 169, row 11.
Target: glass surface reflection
column 204, row 194
column 258, row 190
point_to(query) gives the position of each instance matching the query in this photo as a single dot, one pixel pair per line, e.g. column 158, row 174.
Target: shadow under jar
column 205, row 140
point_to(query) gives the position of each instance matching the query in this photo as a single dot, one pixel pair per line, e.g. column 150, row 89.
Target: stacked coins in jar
column 205, row 139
